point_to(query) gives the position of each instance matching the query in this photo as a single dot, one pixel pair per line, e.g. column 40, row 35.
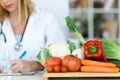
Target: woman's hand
column 19, row 65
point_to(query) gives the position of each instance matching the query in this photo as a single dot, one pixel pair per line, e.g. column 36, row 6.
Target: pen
column 23, row 54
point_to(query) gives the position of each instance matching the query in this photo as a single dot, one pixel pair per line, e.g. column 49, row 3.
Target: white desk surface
column 37, row 76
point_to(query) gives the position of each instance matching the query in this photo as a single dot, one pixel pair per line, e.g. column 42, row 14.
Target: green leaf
column 43, row 55
column 111, row 49
column 72, row 46
column 74, row 29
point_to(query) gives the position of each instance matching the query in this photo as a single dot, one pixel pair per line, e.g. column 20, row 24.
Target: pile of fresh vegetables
column 100, row 50
column 92, row 56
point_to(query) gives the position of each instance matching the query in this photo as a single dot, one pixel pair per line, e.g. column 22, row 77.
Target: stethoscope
column 18, row 46
column 2, row 35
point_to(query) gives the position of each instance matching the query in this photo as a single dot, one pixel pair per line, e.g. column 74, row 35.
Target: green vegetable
column 72, row 46
column 43, row 55
column 111, row 49
column 74, row 29
column 115, row 61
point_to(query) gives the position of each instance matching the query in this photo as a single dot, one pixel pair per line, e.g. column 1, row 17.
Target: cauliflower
column 59, row 49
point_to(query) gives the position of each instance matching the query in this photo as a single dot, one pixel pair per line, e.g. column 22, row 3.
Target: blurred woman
column 25, row 28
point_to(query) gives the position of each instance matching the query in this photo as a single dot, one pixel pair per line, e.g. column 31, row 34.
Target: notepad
column 16, row 74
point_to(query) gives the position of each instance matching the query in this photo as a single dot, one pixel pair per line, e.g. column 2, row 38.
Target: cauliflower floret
column 78, row 53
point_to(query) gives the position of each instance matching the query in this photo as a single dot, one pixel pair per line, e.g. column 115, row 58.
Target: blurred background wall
column 95, row 19
column 58, row 7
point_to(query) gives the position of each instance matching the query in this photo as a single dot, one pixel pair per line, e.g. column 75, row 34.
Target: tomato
column 72, row 63
column 49, row 69
column 56, row 68
column 63, row 69
column 53, row 61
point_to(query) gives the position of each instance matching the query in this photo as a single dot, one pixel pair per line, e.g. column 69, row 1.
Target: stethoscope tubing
column 1, row 33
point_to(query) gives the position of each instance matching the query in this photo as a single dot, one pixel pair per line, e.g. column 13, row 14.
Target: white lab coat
column 42, row 29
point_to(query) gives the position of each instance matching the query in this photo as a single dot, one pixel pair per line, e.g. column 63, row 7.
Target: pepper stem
column 93, row 49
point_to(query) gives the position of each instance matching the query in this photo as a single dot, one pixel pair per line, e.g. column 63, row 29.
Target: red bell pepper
column 93, row 50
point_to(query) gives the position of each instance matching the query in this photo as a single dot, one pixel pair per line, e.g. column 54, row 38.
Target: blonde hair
column 25, row 9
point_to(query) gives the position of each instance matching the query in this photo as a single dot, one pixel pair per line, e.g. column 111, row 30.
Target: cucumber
column 112, row 59
column 115, row 61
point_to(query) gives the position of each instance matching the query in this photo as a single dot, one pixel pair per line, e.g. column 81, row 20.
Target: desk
column 37, row 76
column 82, row 75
